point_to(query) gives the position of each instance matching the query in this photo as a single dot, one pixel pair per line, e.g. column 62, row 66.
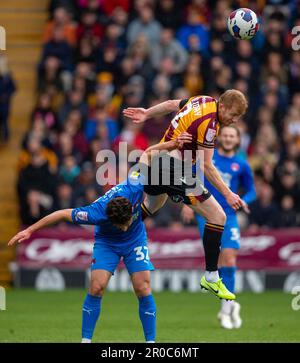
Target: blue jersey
column 105, row 231
column 236, row 173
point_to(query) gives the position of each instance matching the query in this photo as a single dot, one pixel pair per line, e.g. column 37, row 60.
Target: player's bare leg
column 152, row 203
column 229, row 315
column 147, row 308
column 92, row 304
column 215, row 217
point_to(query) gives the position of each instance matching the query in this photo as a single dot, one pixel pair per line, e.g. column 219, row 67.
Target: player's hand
column 245, row 207
column 235, row 201
column 20, row 237
column 137, row 115
column 183, row 138
column 187, row 214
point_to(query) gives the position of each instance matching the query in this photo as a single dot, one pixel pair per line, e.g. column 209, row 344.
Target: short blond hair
column 233, row 97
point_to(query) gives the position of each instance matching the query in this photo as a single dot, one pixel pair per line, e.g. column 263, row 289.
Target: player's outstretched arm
column 216, row 180
column 139, row 114
column 183, row 138
column 60, row 215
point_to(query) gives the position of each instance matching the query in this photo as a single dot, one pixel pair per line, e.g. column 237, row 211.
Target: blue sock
column 90, row 314
column 228, row 276
column 147, row 312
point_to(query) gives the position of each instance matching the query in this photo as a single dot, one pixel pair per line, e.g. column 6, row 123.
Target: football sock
column 211, row 242
column 147, row 313
column 212, row 276
column 226, row 306
column 85, row 340
column 228, row 278
column 90, row 314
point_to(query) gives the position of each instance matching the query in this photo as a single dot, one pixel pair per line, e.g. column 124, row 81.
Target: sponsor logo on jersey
column 235, row 167
column 82, row 216
column 210, row 135
column 134, row 175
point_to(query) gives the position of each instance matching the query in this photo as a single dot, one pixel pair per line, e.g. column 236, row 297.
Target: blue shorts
column 135, row 257
column 231, row 234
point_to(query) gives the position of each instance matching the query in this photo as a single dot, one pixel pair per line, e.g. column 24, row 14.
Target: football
column 243, row 23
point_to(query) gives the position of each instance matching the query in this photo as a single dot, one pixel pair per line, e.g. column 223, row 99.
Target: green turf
column 182, row 317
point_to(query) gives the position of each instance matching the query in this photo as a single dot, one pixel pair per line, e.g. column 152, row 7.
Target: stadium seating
column 23, row 22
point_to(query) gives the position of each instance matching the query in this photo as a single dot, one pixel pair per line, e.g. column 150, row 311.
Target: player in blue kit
column 119, row 233
column 237, row 174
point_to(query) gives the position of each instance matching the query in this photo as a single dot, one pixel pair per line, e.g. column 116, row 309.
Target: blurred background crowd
column 100, row 56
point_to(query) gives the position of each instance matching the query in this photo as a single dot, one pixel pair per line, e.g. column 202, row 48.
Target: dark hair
column 119, row 210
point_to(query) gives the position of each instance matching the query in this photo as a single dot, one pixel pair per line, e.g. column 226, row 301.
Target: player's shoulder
column 203, row 101
column 135, row 182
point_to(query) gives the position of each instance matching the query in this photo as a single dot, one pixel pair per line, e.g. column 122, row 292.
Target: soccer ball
column 242, row 23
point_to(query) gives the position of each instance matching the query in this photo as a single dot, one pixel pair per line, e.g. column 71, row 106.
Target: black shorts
column 171, row 176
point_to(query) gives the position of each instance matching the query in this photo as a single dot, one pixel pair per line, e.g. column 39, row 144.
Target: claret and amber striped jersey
column 198, row 117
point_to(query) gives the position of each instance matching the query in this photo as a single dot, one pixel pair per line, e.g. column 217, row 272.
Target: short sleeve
column 182, row 103
column 91, row 214
column 206, row 135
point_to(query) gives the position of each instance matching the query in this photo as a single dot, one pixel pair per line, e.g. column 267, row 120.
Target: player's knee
column 228, row 258
column 229, row 261
column 97, row 288
column 220, row 217
column 142, row 288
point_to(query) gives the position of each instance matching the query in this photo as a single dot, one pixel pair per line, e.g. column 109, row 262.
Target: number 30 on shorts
column 142, row 253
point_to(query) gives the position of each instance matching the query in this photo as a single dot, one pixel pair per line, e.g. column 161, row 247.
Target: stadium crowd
column 100, row 56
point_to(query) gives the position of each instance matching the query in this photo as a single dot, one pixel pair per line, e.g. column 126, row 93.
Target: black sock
column 145, row 212
column 211, row 243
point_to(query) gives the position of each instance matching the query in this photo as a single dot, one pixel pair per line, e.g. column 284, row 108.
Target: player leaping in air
column 200, row 116
column 119, row 232
column 237, row 174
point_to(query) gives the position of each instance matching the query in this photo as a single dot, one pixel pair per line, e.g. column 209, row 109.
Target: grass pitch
column 33, row 316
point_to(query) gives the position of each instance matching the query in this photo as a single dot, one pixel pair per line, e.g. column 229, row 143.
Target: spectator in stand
column 169, row 47
column 169, row 13
column 90, row 28
column 101, row 118
column 74, row 101
column 39, row 152
column 64, row 198
column 193, row 32
column 144, row 24
column 44, row 111
column 133, row 135
column 115, row 38
column 262, row 207
column 74, row 127
column 193, row 80
column 65, row 147
column 69, row 170
column 58, row 47
column 86, row 52
column 49, row 75
column 7, row 89
column 37, row 181
column 91, row 5
column 62, row 20
column 139, row 52
column 38, row 131
column 288, row 216
column 86, row 180
column 108, row 6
